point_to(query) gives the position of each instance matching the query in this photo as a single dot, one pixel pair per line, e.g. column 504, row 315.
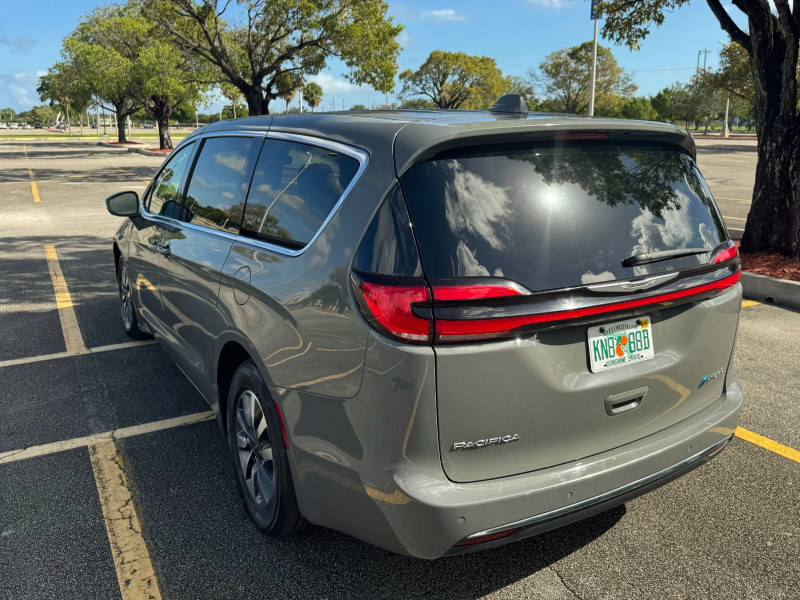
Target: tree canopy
column 312, row 94
column 564, row 78
column 772, row 43
column 280, row 39
column 456, row 80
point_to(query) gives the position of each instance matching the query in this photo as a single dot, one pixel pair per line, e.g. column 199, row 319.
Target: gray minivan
column 441, row 331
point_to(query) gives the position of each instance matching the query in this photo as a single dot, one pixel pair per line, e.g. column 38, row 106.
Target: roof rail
column 510, row 103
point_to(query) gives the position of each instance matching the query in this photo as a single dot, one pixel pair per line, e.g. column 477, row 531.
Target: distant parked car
column 148, row 125
column 13, row 125
column 37, row 125
column 26, row 126
column 61, row 126
column 3, row 126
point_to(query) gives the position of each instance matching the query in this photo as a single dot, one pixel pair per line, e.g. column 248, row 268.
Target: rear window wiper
column 651, row 257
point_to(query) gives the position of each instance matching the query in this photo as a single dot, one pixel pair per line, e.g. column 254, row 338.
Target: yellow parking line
column 768, row 444
column 13, row 362
column 90, row 440
column 135, row 573
column 35, row 192
column 66, row 312
column 749, row 303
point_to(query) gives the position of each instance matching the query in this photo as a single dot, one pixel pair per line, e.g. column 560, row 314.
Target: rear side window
column 218, row 185
column 165, row 199
column 295, row 187
column 554, row 217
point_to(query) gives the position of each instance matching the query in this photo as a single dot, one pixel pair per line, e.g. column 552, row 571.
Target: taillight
column 726, row 252
column 404, row 307
column 476, row 292
column 391, row 307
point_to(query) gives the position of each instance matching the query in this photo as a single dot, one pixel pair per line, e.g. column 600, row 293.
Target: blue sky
column 517, row 33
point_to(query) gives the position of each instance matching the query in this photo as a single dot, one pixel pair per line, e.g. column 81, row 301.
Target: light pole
column 594, row 17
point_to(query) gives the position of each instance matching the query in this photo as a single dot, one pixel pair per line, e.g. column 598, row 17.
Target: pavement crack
column 564, row 583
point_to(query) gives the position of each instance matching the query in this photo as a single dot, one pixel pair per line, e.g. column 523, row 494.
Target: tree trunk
column 773, row 224
column 164, row 139
column 257, row 104
column 121, row 134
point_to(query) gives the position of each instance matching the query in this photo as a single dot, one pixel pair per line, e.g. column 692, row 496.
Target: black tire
column 256, row 444
column 127, row 307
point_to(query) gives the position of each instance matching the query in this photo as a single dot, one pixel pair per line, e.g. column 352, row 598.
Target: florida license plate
column 621, row 343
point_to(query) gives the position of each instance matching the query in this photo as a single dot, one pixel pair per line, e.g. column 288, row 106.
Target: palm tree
column 312, row 94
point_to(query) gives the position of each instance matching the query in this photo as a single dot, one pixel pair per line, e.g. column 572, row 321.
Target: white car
column 26, row 126
column 13, row 125
column 3, row 126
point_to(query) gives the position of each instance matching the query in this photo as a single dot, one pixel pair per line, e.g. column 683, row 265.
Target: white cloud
column 331, row 84
column 476, row 206
column 17, row 44
column 21, row 86
column 445, row 14
column 557, row 4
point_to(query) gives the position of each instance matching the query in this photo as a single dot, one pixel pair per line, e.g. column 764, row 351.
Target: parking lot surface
column 115, row 483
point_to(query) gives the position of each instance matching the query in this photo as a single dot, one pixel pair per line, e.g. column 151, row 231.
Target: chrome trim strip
column 360, row 155
column 589, row 502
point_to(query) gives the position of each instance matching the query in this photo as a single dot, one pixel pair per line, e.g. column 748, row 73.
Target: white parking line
column 44, row 357
column 95, row 438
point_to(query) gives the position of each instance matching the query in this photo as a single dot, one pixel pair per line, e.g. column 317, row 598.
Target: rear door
column 196, row 246
column 606, row 309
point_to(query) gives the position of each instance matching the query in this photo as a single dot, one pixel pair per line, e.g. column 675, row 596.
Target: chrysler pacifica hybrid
column 440, row 331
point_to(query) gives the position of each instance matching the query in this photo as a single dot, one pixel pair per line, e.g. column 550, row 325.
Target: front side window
column 295, row 188
column 217, row 189
column 165, row 199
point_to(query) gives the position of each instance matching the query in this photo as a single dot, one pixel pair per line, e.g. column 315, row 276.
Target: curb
column 736, row 234
column 128, row 147
column 771, row 289
column 147, row 152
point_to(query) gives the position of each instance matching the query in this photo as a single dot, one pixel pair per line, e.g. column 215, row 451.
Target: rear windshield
column 554, row 217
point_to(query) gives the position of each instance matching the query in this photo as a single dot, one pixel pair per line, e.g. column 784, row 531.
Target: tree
column 638, row 108
column 662, row 103
column 294, row 37
column 312, row 94
column 104, row 49
column 772, row 44
column 456, row 80
column 358, row 107
column 62, row 84
column 565, row 78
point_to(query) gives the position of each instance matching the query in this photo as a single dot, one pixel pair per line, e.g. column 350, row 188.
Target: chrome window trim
column 360, row 155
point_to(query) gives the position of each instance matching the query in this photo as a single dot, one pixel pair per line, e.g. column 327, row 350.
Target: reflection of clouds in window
column 671, row 231
column 468, row 265
column 590, row 277
column 708, row 236
column 475, row 205
column 322, row 251
column 235, row 162
column 228, row 195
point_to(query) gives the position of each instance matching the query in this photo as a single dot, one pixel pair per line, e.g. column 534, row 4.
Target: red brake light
column 474, row 292
column 582, row 135
column 390, row 305
column 726, row 253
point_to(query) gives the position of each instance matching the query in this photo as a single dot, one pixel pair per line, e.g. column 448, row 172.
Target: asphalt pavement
column 730, row 529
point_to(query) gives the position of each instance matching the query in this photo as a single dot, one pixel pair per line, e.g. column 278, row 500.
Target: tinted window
column 165, row 199
column 218, row 187
column 554, row 217
column 388, row 247
column 295, row 188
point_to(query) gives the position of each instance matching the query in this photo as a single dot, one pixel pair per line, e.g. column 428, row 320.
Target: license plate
column 621, row 343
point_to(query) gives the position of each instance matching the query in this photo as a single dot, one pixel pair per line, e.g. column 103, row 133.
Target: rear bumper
column 421, row 513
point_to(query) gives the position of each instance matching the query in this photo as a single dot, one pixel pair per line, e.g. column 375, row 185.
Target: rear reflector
column 489, row 537
column 390, row 305
column 467, row 330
